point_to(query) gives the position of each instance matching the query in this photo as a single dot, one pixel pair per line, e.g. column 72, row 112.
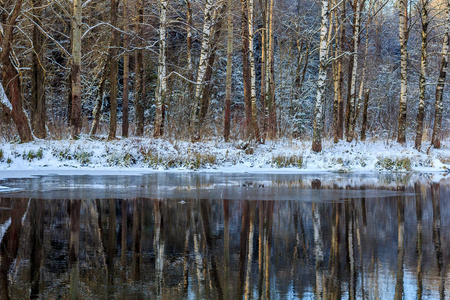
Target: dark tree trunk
column 38, row 107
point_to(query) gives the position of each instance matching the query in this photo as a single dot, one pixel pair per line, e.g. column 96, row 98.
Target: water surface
column 225, row 236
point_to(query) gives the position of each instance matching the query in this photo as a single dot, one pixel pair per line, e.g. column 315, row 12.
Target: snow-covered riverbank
column 140, row 155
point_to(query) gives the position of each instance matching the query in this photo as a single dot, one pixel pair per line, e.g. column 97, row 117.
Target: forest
column 240, row 70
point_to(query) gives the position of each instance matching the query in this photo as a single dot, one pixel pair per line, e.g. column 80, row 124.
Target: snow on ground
column 143, row 155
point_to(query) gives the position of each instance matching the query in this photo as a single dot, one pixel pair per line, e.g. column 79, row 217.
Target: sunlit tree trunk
column 126, row 70
column 270, row 74
column 38, row 106
column 318, row 111
column 161, row 90
column 204, row 55
column 438, row 105
column 227, row 110
column 423, row 75
column 403, row 23
column 114, row 70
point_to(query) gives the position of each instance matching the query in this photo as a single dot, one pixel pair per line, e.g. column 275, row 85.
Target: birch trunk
column 254, row 120
column 339, row 119
column 126, row 71
column 227, row 111
column 403, row 19
column 318, row 112
column 423, row 76
column 161, row 90
column 38, row 108
column 76, row 70
column 189, row 48
column 353, row 95
column 204, row 54
column 438, row 106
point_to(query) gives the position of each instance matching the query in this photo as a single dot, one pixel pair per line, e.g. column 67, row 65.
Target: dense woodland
column 183, row 69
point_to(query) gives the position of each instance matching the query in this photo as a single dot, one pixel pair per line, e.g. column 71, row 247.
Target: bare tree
column 204, row 55
column 114, row 70
column 161, row 90
column 318, row 112
column 227, row 110
column 38, row 106
column 438, row 106
column 126, row 70
column 403, row 25
column 423, row 73
column 75, row 119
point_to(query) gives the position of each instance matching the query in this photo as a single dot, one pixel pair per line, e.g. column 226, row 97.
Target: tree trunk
column 318, row 112
column 270, row 74
column 38, row 107
column 423, row 75
column 438, row 106
column 139, row 71
column 98, row 105
column 114, row 70
column 246, row 68
column 403, row 19
column 353, row 95
column 254, row 120
column 227, row 111
column 76, row 70
column 126, row 71
column 204, row 55
column 364, row 116
column 161, row 90
column 11, row 79
column 339, row 118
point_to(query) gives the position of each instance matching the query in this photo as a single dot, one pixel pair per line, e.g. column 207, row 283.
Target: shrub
column 397, row 164
column 31, row 155
column 1, row 155
column 283, row 161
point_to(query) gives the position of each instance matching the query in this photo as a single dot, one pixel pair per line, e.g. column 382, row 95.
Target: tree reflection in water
column 389, row 248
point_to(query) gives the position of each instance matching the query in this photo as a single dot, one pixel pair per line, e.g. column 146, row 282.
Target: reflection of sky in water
column 372, row 213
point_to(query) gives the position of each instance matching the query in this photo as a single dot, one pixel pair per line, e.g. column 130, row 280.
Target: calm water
column 225, row 236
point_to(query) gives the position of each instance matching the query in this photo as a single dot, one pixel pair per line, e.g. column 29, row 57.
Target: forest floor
column 144, row 155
